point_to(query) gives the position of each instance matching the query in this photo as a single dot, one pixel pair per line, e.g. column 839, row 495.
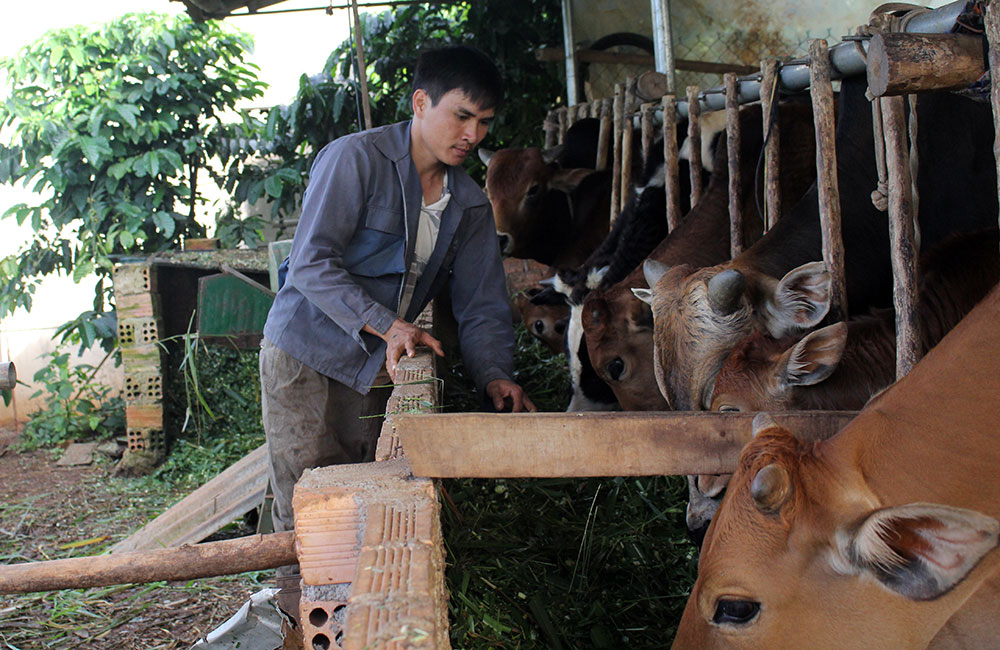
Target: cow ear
column 801, row 299
column 644, row 295
column 919, row 550
column 485, row 155
column 567, row 180
column 815, row 357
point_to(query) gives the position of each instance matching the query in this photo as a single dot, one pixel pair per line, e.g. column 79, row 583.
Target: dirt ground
column 44, row 507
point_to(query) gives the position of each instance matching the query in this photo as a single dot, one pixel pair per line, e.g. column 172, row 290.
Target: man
column 387, row 220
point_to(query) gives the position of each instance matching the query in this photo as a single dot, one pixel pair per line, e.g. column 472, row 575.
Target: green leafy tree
column 326, row 105
column 112, row 127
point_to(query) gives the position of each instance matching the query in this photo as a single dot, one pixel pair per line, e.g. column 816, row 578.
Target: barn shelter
column 368, row 537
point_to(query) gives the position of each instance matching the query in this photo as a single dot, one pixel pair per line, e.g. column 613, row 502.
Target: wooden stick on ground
column 254, row 553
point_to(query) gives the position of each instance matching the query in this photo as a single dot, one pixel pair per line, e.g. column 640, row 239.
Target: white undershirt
column 428, row 226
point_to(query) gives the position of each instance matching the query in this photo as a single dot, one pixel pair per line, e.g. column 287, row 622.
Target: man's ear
column 420, row 102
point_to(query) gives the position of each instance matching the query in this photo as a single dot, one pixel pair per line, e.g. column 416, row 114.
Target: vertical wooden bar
column 772, row 142
column 627, row 137
column 903, row 251
column 694, row 139
column 582, row 111
column 648, row 134
column 604, row 135
column 595, row 108
column 551, row 128
column 993, row 35
column 616, row 164
column 826, row 175
column 671, row 166
column 733, row 143
column 571, row 112
column 561, row 118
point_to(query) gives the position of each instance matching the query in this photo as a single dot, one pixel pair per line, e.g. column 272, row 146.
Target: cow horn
column 771, row 488
column 653, row 271
column 762, row 421
column 725, row 290
column 485, row 155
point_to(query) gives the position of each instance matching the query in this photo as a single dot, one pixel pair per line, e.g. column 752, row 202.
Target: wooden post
column 595, row 108
column 733, row 139
column 826, row 176
column 582, row 111
column 671, row 163
column 772, row 142
column 604, row 135
column 694, row 140
column 900, row 63
column 362, row 67
column 561, row 119
column 648, row 134
column 571, row 116
column 903, row 253
column 8, row 375
column 627, row 136
column 616, row 164
column 551, row 128
column 254, row 553
column 993, row 35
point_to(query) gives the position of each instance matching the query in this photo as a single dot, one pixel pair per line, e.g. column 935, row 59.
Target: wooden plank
column 671, row 169
column 616, row 157
column 628, row 129
column 733, row 143
column 537, row 445
column 899, row 64
column 772, row 142
column 237, row 490
column 604, row 135
column 694, row 140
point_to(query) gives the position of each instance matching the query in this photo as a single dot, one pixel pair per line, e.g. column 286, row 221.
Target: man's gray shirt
column 352, row 247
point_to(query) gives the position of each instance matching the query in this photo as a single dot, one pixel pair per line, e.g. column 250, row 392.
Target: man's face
column 452, row 128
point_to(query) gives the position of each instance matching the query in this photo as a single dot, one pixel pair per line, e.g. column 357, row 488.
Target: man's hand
column 404, row 337
column 501, row 390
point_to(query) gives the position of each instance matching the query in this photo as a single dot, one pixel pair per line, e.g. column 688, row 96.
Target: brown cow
column 705, row 312
column 618, row 327
column 546, row 320
column 882, row 536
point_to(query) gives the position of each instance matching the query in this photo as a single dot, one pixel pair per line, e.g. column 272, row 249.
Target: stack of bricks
column 368, row 540
column 138, row 335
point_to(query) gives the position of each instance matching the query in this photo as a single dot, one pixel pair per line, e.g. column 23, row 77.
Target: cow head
column 534, row 207
column 700, row 315
column 802, row 555
column 762, row 373
column 619, row 338
column 545, row 315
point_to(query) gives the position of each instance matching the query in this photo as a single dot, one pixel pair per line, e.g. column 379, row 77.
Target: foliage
column 111, row 126
column 76, row 407
column 326, row 106
column 212, row 406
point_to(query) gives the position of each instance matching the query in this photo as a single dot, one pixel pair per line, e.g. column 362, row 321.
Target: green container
column 231, row 306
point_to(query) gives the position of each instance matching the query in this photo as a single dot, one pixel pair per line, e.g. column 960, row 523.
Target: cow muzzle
column 506, row 243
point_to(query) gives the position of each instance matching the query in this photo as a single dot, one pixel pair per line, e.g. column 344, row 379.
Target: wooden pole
column 903, row 253
column 582, row 111
column 821, row 92
column 551, row 128
column 604, row 135
column 671, row 164
column 477, row 445
column 253, row 553
column 993, row 35
column 628, row 129
column 694, row 139
column 733, row 140
column 772, row 140
column 8, row 375
column 362, row 68
column 648, row 132
column 900, row 63
column 563, row 126
column 616, row 165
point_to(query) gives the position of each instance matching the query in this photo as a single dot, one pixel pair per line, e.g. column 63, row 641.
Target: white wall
column 287, row 45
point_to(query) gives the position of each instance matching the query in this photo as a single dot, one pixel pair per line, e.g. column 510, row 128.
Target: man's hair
column 459, row 67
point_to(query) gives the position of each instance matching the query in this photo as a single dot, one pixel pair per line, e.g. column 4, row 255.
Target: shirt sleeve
column 332, row 210
column 480, row 303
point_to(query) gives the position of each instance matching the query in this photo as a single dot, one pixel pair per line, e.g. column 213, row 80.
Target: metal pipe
column 845, row 61
column 663, row 42
column 569, row 48
column 8, row 375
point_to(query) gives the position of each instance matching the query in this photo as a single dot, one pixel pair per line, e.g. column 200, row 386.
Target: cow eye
column 616, row 367
column 727, row 408
column 735, row 612
column 532, row 190
column 539, row 326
